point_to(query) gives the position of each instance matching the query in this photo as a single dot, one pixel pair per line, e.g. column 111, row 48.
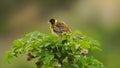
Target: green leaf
column 17, row 43
column 47, row 60
column 59, row 54
column 56, row 52
column 8, row 57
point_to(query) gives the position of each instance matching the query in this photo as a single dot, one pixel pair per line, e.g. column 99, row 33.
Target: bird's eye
column 52, row 21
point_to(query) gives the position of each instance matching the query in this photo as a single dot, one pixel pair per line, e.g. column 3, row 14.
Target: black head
column 52, row 21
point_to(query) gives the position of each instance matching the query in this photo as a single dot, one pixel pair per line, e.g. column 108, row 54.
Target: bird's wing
column 62, row 27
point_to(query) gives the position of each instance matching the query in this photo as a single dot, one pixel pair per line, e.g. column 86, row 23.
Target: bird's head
column 52, row 21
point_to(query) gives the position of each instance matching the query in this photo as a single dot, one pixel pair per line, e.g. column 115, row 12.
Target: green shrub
column 68, row 51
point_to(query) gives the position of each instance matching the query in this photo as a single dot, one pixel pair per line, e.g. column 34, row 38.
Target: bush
column 68, row 51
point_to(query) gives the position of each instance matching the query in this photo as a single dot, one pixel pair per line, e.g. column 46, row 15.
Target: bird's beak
column 48, row 22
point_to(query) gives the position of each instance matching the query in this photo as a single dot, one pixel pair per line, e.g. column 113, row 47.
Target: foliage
column 68, row 51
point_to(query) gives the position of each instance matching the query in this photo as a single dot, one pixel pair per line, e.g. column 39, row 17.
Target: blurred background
column 99, row 19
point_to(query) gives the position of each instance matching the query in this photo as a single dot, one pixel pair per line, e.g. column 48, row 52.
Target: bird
column 58, row 27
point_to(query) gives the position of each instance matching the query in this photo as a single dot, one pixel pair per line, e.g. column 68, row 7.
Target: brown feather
column 61, row 27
